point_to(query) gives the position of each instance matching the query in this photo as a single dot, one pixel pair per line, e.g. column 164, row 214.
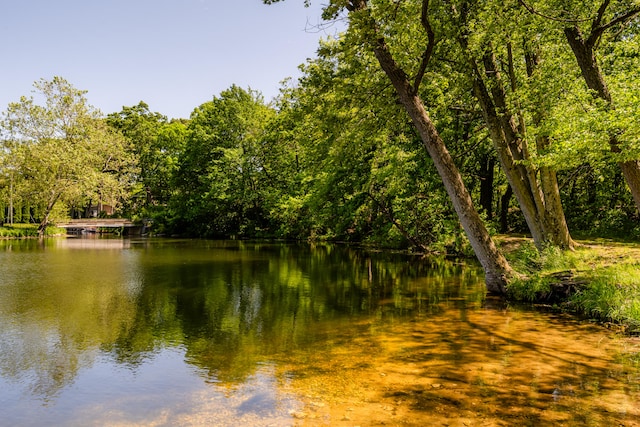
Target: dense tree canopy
column 221, row 177
column 62, row 151
column 519, row 67
column 157, row 144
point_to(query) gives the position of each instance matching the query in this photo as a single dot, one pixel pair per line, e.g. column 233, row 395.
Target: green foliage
column 360, row 172
column 19, row 230
column 598, row 203
column 335, row 156
column 610, row 277
column 221, row 180
column 529, row 260
column 528, row 289
column 61, row 151
column 537, row 267
column 157, row 144
column 541, row 268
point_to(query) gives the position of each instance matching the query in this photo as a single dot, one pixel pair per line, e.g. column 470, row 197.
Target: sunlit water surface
column 101, row 332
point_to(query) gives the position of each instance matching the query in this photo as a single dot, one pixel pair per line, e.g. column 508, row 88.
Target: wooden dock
column 98, row 225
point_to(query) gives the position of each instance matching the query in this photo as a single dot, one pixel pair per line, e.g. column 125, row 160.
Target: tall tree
column 157, row 144
column 589, row 28
column 367, row 23
column 487, row 44
column 63, row 151
column 220, row 176
column 361, row 172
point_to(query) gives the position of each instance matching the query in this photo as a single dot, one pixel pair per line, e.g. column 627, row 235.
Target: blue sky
column 172, row 54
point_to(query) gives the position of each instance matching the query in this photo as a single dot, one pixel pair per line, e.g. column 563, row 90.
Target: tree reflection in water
column 177, row 332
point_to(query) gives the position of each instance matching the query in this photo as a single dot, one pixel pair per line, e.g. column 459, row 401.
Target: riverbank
column 600, row 279
column 21, row 231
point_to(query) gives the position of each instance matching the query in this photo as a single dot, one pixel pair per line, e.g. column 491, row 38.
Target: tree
column 498, row 77
column 62, row 151
column 157, row 144
column 220, row 180
column 367, row 23
column 610, row 27
column 360, row 172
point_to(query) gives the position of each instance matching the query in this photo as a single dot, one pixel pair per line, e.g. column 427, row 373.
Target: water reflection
column 176, row 332
column 472, row 366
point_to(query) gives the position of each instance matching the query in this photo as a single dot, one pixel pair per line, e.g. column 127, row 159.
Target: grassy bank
column 16, row 231
column 600, row 279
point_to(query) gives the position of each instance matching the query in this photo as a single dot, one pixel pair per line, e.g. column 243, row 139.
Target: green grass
column 537, row 269
column 19, row 230
column 612, row 293
column 27, row 230
column 608, row 274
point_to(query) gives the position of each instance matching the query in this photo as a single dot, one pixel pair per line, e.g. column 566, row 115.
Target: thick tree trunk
column 514, row 172
column 538, row 201
column 586, row 59
column 496, row 268
column 558, row 231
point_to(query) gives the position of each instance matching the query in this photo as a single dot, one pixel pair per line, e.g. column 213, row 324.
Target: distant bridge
column 97, row 225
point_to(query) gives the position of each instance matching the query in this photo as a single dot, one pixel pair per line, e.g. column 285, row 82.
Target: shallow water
column 176, row 332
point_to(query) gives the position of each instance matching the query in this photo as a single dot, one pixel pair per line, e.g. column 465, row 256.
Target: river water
column 124, row 332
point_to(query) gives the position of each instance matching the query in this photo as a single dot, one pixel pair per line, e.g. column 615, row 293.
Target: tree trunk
column 504, row 209
column 584, row 53
column 558, row 231
column 538, row 201
column 45, row 219
column 556, row 221
column 486, row 185
column 497, row 269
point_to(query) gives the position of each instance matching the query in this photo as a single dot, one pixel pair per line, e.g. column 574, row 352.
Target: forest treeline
column 423, row 124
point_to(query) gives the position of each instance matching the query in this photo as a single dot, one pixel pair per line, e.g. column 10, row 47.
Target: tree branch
column 426, row 56
column 597, row 28
column 598, row 19
column 622, row 19
column 552, row 18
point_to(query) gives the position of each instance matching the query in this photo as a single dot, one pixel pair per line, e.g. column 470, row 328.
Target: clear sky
column 172, row 54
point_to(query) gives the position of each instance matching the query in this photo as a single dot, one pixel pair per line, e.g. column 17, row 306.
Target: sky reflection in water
column 172, row 332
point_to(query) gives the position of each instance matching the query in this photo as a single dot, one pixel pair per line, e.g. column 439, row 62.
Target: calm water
column 100, row 332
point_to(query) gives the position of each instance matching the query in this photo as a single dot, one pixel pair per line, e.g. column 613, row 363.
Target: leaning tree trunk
column 539, row 201
column 583, row 51
column 556, row 222
column 47, row 212
column 497, row 269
